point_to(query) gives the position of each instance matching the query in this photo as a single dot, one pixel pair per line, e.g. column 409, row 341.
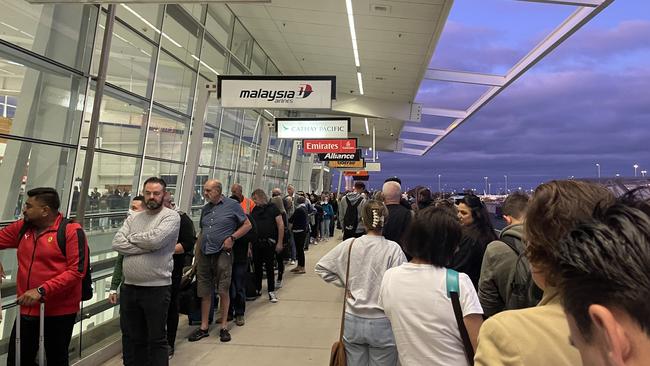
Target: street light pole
column 636, row 166
column 598, row 166
column 486, row 184
column 439, row 191
column 506, row 177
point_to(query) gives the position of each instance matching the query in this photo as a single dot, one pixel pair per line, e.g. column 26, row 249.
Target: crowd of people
column 429, row 281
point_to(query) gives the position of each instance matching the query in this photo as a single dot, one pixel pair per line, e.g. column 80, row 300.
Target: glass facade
column 159, row 55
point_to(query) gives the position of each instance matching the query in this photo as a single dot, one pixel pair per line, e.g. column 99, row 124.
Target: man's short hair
column 359, row 185
column 605, row 260
column 156, row 180
column 515, row 205
column 392, row 190
column 301, row 200
column 394, row 179
column 47, row 196
column 260, row 194
column 138, row 198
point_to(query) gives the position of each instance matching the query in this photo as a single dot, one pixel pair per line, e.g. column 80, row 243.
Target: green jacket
column 118, row 277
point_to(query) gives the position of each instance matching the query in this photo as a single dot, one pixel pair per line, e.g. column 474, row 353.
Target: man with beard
column 147, row 241
column 45, row 274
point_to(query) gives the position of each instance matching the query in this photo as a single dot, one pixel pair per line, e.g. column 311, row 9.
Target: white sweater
column 371, row 257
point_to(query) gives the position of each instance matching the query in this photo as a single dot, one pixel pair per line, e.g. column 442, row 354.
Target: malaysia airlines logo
column 278, row 96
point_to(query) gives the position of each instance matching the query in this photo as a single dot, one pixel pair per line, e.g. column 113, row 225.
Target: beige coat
column 530, row 337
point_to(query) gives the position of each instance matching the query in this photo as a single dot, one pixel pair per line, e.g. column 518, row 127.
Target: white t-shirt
column 414, row 298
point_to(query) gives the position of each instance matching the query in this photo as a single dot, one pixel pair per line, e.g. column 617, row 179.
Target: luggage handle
column 41, row 335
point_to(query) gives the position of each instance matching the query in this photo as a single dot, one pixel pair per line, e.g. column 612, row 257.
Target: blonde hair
column 374, row 215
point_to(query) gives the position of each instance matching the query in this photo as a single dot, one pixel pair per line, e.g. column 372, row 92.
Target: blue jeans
column 325, row 228
column 369, row 341
column 238, row 289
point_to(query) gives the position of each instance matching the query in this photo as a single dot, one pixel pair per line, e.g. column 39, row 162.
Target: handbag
column 337, row 356
column 453, row 292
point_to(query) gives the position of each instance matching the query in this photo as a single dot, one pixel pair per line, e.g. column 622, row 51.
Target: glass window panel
column 213, row 59
column 26, row 165
column 258, row 63
column 121, row 122
column 232, row 121
column 166, row 138
column 241, row 43
column 60, row 32
column 131, row 60
column 143, row 17
column 170, row 172
column 251, row 130
column 209, row 145
column 202, row 175
column 225, row 151
column 246, row 180
column 271, row 69
column 45, row 105
column 175, row 84
column 247, row 155
column 219, row 22
column 195, row 10
column 180, row 35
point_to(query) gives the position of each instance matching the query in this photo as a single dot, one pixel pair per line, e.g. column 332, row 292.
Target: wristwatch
column 41, row 291
column 112, row 292
column 233, row 238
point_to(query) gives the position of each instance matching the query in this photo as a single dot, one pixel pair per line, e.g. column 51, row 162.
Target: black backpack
column 87, row 281
column 351, row 218
column 522, row 291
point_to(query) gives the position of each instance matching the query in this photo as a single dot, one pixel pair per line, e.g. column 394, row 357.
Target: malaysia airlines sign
column 312, row 128
column 276, row 92
column 329, row 146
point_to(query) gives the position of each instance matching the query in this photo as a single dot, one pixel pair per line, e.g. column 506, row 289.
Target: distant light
column 367, row 129
column 360, row 83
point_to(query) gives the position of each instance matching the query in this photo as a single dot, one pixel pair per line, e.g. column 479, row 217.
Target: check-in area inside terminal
column 96, row 97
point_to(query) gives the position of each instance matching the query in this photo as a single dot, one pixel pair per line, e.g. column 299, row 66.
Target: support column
column 292, row 164
column 262, row 155
column 194, row 150
column 321, row 184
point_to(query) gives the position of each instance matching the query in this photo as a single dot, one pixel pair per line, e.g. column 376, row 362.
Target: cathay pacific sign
column 300, row 128
column 276, row 92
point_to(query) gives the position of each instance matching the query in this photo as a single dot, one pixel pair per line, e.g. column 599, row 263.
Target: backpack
column 264, row 217
column 351, row 218
column 87, row 281
column 522, row 292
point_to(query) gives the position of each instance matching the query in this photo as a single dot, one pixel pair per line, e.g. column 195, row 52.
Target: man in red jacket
column 45, row 274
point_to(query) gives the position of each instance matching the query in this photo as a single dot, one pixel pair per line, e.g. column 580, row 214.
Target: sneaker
column 278, row 284
column 239, row 320
column 293, row 262
column 300, row 270
column 272, row 297
column 295, row 269
column 198, row 334
column 170, row 352
column 224, row 335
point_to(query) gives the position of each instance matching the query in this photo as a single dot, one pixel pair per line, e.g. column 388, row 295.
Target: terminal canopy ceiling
column 395, row 41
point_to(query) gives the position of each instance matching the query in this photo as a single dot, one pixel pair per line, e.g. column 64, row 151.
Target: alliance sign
column 276, row 92
column 299, row 128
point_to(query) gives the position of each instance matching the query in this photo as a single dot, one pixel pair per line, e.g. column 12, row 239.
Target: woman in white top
column 414, row 295
column 367, row 333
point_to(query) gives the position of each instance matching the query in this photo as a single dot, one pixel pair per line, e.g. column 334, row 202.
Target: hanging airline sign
column 329, row 146
column 333, row 156
column 373, row 167
column 285, row 92
column 299, row 128
column 358, row 164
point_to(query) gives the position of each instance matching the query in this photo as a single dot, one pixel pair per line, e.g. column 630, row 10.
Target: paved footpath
column 297, row 330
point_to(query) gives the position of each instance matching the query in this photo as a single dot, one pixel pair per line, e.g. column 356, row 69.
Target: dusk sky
column 587, row 102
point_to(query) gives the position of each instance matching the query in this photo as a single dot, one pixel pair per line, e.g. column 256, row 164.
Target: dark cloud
column 557, row 121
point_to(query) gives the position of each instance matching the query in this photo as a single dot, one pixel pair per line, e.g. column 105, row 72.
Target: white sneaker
column 293, row 262
column 272, row 297
column 278, row 284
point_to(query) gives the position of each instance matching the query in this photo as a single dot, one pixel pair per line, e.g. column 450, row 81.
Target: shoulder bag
column 337, row 356
column 453, row 292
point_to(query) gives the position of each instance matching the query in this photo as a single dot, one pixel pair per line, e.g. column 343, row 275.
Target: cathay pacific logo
column 278, row 96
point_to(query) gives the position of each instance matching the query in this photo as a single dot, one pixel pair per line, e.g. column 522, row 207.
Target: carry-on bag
column 41, row 336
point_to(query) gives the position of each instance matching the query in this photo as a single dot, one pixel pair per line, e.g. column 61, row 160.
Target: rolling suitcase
column 41, row 336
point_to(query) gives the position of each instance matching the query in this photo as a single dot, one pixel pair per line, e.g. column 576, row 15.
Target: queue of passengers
column 565, row 282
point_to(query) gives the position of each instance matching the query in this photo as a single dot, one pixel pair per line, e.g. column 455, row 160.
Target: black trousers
column 143, row 317
column 172, row 312
column 279, row 259
column 58, row 331
column 300, row 248
column 264, row 256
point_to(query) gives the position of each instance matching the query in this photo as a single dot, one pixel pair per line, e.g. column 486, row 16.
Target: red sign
column 329, row 146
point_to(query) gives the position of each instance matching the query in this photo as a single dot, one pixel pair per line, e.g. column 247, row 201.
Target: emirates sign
column 345, row 146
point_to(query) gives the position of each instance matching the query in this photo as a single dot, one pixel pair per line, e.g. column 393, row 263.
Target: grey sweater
column 147, row 242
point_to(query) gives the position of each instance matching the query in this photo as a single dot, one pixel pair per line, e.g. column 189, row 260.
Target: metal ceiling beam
column 411, row 151
column 364, row 106
column 465, row 77
column 424, row 130
column 443, row 112
column 589, row 3
column 568, row 27
column 416, row 142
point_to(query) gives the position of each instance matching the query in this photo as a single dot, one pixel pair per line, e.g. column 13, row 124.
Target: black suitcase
column 194, row 311
column 251, row 288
